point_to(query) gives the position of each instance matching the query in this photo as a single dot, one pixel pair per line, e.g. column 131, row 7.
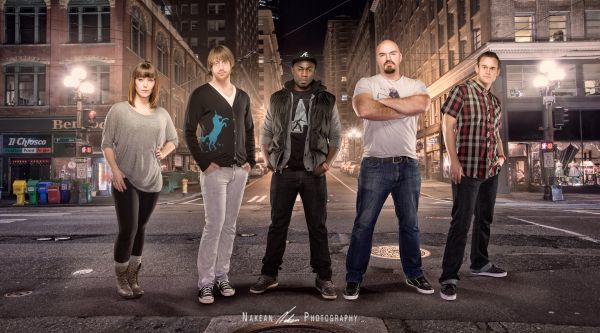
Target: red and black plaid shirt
column 477, row 112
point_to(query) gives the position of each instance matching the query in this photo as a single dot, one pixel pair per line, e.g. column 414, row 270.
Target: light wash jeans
column 222, row 191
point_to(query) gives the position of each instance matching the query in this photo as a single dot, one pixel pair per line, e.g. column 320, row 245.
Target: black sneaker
column 264, row 282
column 421, row 284
column 225, row 288
column 493, row 271
column 448, row 292
column 351, row 291
column 326, row 288
column 205, row 295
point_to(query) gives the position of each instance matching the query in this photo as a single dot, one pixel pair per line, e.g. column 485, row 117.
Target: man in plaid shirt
column 471, row 127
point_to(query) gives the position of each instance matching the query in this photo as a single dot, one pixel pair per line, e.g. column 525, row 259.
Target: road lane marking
column 6, row 221
column 581, row 236
column 254, row 198
column 339, row 180
column 261, row 198
column 33, row 214
column 583, row 211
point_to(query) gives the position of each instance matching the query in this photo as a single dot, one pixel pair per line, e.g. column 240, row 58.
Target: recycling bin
column 19, row 187
column 53, row 194
column 65, row 192
column 42, row 189
column 32, row 191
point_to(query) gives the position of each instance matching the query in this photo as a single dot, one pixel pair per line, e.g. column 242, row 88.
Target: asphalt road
column 551, row 251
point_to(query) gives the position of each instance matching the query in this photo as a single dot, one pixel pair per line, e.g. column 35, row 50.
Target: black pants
column 285, row 186
column 471, row 197
column 134, row 208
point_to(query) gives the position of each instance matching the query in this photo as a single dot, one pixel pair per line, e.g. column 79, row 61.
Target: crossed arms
column 389, row 108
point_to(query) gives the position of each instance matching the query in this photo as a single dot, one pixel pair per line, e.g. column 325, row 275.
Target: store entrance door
column 519, row 174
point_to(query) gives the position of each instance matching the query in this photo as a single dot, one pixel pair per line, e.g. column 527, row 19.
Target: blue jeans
column 471, row 197
column 376, row 181
column 285, row 187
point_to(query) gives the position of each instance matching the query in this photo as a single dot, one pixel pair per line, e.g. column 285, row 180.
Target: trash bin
column 42, row 189
column 85, row 193
column 19, row 187
column 65, row 192
column 32, row 191
column 53, row 194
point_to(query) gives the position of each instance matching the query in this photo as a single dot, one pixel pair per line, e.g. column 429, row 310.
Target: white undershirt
column 229, row 99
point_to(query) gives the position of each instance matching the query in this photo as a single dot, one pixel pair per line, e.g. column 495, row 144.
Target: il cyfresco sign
column 27, row 144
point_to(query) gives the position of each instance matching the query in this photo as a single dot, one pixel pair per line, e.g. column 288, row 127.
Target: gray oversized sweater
column 134, row 139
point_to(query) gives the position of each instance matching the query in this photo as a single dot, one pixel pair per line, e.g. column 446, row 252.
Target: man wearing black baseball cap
column 299, row 140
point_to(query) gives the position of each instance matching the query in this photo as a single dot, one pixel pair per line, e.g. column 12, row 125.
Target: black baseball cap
column 304, row 56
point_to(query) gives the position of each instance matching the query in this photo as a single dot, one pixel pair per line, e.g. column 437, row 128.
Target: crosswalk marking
column 33, row 214
column 254, row 198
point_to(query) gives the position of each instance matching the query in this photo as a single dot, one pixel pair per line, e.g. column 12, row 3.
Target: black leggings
column 134, row 208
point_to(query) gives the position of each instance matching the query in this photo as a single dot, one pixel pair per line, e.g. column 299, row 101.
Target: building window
column 474, row 7
column 25, row 84
column 451, row 58
column 524, row 28
column 344, row 79
column 519, row 80
column 462, row 13
column 450, row 22
column 476, row 38
column 162, row 55
column 344, row 97
column 194, row 26
column 185, row 26
column 138, row 33
column 216, row 8
column 177, row 70
column 25, row 24
column 214, row 41
column 185, row 9
column 592, row 24
column 591, row 79
column 194, row 41
column 89, row 23
column 190, row 77
column 98, row 76
column 216, row 25
column 261, row 59
column 162, row 99
column 194, row 9
column 462, row 49
column 557, row 28
column 441, row 35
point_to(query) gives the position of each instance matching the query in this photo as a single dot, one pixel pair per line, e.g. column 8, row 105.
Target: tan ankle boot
column 132, row 277
column 123, row 288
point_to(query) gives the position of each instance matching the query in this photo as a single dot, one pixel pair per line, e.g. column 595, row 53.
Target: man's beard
column 389, row 70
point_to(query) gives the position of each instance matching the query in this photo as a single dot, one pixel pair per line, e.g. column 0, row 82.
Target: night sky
column 310, row 37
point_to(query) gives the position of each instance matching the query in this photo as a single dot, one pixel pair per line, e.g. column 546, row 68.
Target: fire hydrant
column 184, row 186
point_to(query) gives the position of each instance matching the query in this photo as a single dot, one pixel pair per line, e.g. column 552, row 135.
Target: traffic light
column 89, row 118
column 560, row 116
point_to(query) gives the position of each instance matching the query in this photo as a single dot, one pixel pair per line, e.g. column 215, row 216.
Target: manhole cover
column 392, row 252
column 19, row 293
column 82, row 272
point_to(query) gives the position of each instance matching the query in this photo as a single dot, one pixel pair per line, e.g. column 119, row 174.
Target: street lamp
column 353, row 134
column 76, row 80
column 548, row 81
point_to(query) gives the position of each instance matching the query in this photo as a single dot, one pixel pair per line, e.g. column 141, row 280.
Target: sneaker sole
column 497, row 275
column 206, row 301
column 448, row 297
column 229, row 294
column 422, row 291
column 267, row 288
column 350, row 297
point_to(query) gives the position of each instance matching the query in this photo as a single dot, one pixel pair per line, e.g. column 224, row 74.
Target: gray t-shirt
column 134, row 139
column 390, row 137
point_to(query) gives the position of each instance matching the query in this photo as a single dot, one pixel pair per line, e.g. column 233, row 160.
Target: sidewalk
column 193, row 192
column 443, row 191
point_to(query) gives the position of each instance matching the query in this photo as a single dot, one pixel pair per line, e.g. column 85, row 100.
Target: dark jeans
column 471, row 197
column 377, row 180
column 285, row 186
column 134, row 208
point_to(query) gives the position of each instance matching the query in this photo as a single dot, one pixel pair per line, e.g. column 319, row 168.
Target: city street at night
column 551, row 251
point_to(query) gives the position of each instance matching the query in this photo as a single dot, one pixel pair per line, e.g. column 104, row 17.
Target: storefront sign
column 47, row 124
column 27, row 144
column 548, row 159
